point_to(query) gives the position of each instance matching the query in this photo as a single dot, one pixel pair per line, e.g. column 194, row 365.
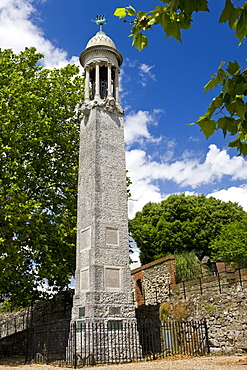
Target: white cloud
column 136, row 127
column 146, row 74
column 19, row 29
column 189, row 171
column 143, row 71
column 135, row 255
column 234, row 194
column 145, row 174
column 149, row 172
column 143, row 192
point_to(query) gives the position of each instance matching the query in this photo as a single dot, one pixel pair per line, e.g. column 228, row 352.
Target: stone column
column 109, row 80
column 87, row 84
column 116, row 86
column 97, row 82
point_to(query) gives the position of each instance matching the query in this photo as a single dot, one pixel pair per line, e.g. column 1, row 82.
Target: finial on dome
column 100, row 20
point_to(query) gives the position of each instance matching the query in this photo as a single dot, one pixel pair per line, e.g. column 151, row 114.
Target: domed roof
column 101, row 39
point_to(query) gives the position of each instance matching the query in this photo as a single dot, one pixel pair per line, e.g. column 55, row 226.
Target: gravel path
column 195, row 363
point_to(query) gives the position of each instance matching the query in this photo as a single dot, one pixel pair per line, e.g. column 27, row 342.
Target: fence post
column 28, row 341
column 200, row 280
column 153, row 340
column 75, row 356
column 240, row 278
column 206, row 335
column 47, row 344
column 219, row 282
column 184, row 290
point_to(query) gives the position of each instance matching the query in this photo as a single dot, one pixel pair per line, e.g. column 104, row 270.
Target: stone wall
column 153, row 281
column 222, row 303
column 56, row 310
column 220, row 299
column 225, row 314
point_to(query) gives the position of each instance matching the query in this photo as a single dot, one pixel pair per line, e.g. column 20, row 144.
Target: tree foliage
column 227, row 112
column 38, row 183
column 188, row 266
column 230, row 245
column 181, row 224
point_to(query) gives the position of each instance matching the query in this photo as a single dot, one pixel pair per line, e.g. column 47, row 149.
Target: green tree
column 181, row 224
column 231, row 243
column 39, row 141
column 227, row 112
column 188, row 266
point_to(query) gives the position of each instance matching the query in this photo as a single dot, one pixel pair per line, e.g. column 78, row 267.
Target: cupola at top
column 101, row 38
column 101, row 61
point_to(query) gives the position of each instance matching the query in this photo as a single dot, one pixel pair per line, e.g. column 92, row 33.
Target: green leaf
column 228, row 124
column 244, row 127
column 241, row 27
column 233, row 67
column 237, row 107
column 172, row 29
column 172, row 6
column 139, row 41
column 221, row 65
column 241, row 146
column 131, row 10
column 217, row 101
column 120, row 12
column 194, row 6
column 163, row 19
column 227, row 12
column 221, row 74
column 211, row 84
column 222, row 124
column 207, row 127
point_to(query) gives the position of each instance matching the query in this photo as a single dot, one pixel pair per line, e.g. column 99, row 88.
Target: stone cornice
column 108, row 104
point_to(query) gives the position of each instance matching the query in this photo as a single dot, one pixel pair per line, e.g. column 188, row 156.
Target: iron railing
column 219, row 281
column 86, row 344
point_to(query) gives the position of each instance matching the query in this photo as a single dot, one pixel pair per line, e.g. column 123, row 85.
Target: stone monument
column 103, row 288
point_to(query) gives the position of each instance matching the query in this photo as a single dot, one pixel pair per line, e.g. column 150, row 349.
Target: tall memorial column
column 103, row 288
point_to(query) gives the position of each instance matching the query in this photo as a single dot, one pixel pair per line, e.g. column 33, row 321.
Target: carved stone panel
column 112, row 278
column 112, row 236
column 86, row 238
column 84, row 280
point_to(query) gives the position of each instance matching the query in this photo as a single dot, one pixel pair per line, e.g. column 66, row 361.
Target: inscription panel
column 86, row 239
column 114, row 310
column 112, row 278
column 84, row 280
column 112, row 236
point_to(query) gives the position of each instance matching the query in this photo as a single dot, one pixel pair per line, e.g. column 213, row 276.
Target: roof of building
column 101, row 39
column 156, row 262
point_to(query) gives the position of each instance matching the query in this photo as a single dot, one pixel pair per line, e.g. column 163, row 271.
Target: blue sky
column 161, row 91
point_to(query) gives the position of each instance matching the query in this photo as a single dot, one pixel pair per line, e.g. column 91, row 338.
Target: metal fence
column 87, row 344
column 17, row 323
column 219, row 281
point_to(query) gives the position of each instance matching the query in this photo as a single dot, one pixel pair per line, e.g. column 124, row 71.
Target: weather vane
column 100, row 20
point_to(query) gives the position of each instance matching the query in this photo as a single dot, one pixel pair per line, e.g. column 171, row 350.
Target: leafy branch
column 177, row 15
column 230, row 104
